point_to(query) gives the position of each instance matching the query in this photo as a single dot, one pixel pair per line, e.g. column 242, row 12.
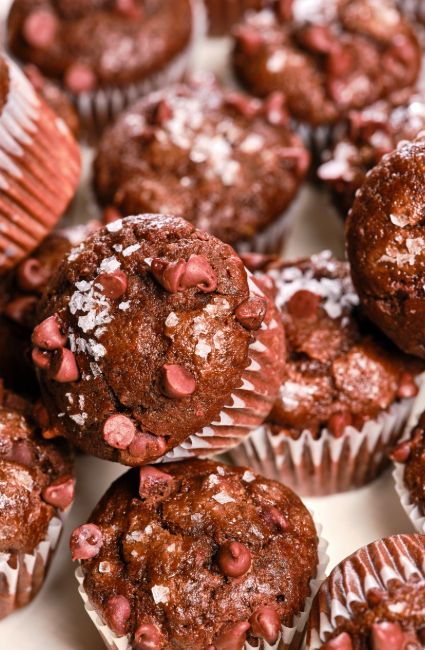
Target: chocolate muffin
column 20, row 291
column 385, row 245
column 374, row 599
column 55, row 98
column 359, row 143
column 153, row 336
column 409, row 474
column 105, row 53
column 327, row 59
column 346, row 391
column 228, row 163
column 198, row 555
column 223, row 14
column 36, row 487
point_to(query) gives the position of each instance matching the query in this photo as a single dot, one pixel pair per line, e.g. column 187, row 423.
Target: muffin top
column 145, row 335
column 359, row 142
column 385, row 608
column 385, row 245
column 90, row 44
column 35, row 477
column 327, row 59
column 197, row 554
column 339, row 371
column 411, row 453
column 228, row 163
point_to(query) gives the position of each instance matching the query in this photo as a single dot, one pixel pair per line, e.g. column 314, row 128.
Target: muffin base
column 290, row 637
column 22, row 581
column 327, row 465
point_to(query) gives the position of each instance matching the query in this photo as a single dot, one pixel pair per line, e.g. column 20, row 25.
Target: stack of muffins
column 170, row 331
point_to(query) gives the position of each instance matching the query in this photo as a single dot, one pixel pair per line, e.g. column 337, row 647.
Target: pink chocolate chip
column 118, row 431
column 144, row 444
column 401, row 453
column 147, row 637
column 117, row 614
column 199, row 273
column 63, row 366
column 234, row 559
column 250, row 314
column 340, row 642
column 60, row 493
column 407, row 387
column 177, row 381
column 163, row 112
column 233, row 638
column 80, row 78
column 40, row 28
column 153, row 482
column 276, row 517
column 129, row 8
column 249, row 38
column 265, row 623
column 168, row 274
column 48, row 335
column 114, row 284
column 40, row 358
column 86, row 542
column 388, row 636
column 31, row 274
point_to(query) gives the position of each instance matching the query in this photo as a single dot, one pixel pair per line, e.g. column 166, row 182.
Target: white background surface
column 56, row 619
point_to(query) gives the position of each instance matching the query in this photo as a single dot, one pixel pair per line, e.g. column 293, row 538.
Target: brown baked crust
column 346, row 56
column 227, row 163
column 386, row 246
column 339, row 370
column 223, row 14
column 124, row 348
column 173, row 538
column 116, row 47
column 412, row 454
column 28, row 466
column 358, row 143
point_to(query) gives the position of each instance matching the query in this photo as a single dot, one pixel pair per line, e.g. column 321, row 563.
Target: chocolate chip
column 257, row 261
column 340, row 61
column 22, row 451
column 388, row 636
column 145, row 444
column 374, row 596
column 21, row 310
column 199, row 273
column 265, row 623
column 130, row 9
column 340, row 642
column 117, row 612
column 246, row 106
column 285, row 9
column 60, row 493
column 147, row 637
column 41, row 358
column 40, row 28
column 299, row 156
column 303, row 304
column 31, row 274
column 276, row 517
column 162, row 112
column 233, row 637
column 234, row 559
column 250, row 314
column 118, row 431
column 153, row 482
column 47, row 335
column 275, row 109
column 177, row 382
column 86, row 542
column 407, row 387
column 80, row 78
column 317, row 38
column 249, row 38
column 338, row 422
column 168, row 274
column 114, row 284
column 401, row 452
column 63, row 366
column 110, row 214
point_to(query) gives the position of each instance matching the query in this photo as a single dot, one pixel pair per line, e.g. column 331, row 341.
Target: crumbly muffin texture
column 338, row 371
column 197, row 555
column 36, row 480
column 385, row 246
column 226, row 162
column 360, row 142
column 144, row 336
column 327, row 58
column 411, row 453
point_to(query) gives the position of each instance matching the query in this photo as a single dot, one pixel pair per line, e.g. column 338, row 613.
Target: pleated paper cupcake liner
column 22, row 574
column 401, row 558
column 326, row 465
column 39, row 169
column 249, row 404
column 289, row 639
column 100, row 107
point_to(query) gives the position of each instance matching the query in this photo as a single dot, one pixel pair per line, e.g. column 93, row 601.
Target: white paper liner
column 400, row 557
column 21, row 584
column 330, row 465
column 39, row 169
column 415, row 514
column 99, row 107
column 250, row 403
column 288, row 640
